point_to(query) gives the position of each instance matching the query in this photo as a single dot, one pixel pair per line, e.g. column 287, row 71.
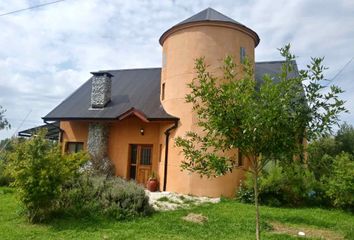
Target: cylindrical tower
column 211, row 35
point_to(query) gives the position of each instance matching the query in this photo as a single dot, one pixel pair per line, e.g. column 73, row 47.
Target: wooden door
column 140, row 162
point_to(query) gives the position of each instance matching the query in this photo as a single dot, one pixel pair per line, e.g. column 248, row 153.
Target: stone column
column 97, row 146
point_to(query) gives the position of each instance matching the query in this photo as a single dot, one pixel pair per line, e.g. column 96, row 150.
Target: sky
column 48, row 52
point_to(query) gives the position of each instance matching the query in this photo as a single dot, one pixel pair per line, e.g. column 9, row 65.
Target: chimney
column 101, row 89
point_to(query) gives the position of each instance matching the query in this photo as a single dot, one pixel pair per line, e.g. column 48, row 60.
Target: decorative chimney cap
column 102, row 73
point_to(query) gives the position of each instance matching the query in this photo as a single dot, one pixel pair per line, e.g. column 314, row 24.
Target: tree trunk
column 256, row 202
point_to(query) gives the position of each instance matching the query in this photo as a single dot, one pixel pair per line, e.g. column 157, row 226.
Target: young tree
column 3, row 121
column 265, row 122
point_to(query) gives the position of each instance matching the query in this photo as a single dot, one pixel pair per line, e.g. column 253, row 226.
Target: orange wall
column 121, row 134
column 127, row 132
column 74, row 131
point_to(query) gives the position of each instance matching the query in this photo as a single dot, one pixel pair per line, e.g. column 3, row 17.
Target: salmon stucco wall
column 213, row 41
column 121, row 135
column 126, row 132
column 74, row 131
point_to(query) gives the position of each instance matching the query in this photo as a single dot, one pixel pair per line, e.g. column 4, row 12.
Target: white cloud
column 46, row 53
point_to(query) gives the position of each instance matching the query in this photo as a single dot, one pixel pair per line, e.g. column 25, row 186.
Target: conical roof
column 209, row 15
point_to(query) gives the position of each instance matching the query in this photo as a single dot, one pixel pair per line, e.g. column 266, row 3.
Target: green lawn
column 227, row 220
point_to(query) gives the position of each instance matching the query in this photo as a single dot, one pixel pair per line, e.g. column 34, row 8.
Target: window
column 145, row 156
column 239, row 159
column 74, row 147
column 242, row 54
column 163, row 91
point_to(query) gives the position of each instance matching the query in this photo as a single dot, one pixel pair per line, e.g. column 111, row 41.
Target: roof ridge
column 208, row 12
column 130, row 69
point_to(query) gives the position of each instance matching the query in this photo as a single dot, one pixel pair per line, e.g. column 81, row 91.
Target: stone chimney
column 101, row 89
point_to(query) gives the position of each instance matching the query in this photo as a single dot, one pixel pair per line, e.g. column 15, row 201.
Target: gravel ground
column 166, row 201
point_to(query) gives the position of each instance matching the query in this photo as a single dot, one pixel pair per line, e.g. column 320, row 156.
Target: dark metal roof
column 273, row 68
column 52, row 131
column 209, row 15
column 137, row 89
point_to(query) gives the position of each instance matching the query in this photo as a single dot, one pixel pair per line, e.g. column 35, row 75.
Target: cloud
column 48, row 52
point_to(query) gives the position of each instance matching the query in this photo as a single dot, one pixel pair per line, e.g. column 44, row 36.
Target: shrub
column 112, row 197
column 292, row 185
column 121, row 199
column 6, row 146
column 245, row 193
column 341, row 182
column 5, row 179
column 39, row 171
column 79, row 197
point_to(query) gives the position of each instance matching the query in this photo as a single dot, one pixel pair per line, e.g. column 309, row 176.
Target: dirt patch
column 195, row 218
column 308, row 231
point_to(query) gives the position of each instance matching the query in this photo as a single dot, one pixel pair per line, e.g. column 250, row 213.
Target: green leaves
column 270, row 120
column 341, row 182
column 39, row 169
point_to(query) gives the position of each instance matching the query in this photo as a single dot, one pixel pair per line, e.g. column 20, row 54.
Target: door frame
column 138, row 159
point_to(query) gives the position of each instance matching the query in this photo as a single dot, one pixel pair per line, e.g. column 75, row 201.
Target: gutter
column 167, row 133
column 60, row 130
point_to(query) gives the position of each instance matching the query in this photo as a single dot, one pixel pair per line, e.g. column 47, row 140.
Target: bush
column 111, row 197
column 39, row 170
column 6, row 146
column 245, row 192
column 341, row 182
column 5, row 179
column 79, row 197
column 293, row 185
column 121, row 199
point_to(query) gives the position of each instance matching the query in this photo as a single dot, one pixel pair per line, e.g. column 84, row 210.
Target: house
column 132, row 116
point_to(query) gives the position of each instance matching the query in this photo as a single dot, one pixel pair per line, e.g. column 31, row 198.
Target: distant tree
column 322, row 152
column 264, row 122
column 321, row 155
column 345, row 138
column 3, row 121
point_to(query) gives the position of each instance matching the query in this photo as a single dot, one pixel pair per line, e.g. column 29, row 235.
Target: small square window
column 74, row 147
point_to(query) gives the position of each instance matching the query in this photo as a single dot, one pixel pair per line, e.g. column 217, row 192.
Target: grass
column 164, row 199
column 226, row 220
